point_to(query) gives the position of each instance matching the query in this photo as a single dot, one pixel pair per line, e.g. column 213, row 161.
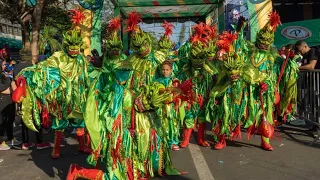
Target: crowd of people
column 10, row 110
column 128, row 111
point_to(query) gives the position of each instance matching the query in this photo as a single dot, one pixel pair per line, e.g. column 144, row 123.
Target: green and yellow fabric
column 200, row 68
column 59, row 84
column 144, row 149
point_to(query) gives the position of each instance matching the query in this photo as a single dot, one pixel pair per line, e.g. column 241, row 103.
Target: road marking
column 200, row 163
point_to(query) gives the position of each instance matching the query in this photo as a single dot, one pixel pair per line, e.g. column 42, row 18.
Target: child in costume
column 57, row 89
column 169, row 113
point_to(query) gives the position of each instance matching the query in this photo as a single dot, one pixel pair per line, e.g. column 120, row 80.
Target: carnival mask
column 165, row 44
column 198, row 55
column 72, row 41
column 114, row 46
column 233, row 63
column 141, row 43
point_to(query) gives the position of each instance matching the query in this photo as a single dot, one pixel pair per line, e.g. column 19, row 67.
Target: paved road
column 292, row 159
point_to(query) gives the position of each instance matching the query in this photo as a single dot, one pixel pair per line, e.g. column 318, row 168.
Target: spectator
column 310, row 55
column 7, row 117
column 25, row 136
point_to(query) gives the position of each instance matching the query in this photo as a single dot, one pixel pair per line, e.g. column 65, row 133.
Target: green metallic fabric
column 288, row 87
column 59, row 83
column 169, row 116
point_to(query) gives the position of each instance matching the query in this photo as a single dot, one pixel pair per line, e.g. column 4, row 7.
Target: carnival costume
column 227, row 105
column 287, row 82
column 250, row 99
column 199, row 69
column 128, row 135
column 165, row 46
column 108, row 112
column 56, row 89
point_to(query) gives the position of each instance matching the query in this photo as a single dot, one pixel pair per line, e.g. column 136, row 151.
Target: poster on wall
column 235, row 9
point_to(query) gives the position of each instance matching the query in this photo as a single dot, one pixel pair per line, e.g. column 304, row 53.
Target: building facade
column 297, row 10
column 10, row 34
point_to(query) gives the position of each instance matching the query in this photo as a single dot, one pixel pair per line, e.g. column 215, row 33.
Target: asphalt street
column 293, row 158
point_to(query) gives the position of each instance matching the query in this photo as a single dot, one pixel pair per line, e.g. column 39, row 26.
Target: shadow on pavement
column 58, row 168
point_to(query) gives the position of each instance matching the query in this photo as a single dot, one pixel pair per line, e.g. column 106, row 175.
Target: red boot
column 80, row 137
column 57, row 142
column 76, row 171
column 201, row 133
column 266, row 145
column 186, row 137
column 222, row 142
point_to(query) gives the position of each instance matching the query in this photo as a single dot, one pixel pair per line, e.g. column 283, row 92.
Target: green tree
column 57, row 17
column 29, row 16
column 47, row 39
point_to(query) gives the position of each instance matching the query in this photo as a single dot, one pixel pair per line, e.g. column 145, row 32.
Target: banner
column 258, row 12
column 290, row 33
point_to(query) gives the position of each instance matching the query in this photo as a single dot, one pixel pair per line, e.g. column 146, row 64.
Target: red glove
column 20, row 92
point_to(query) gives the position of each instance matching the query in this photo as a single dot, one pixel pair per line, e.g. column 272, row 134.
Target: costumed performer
column 57, row 89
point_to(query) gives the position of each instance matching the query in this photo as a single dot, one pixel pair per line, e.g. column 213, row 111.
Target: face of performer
column 72, row 41
column 302, row 49
column 166, row 70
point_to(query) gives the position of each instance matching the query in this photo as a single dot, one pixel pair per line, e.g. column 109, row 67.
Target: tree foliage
column 47, row 38
column 57, row 17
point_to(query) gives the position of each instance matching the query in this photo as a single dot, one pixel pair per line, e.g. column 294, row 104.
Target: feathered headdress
column 114, row 26
column 225, row 41
column 200, row 33
column 212, row 30
column 265, row 36
column 77, row 16
column 132, row 22
column 274, row 20
column 165, row 42
column 167, row 28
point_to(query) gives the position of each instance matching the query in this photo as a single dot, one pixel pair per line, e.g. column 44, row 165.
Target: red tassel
column 116, row 123
column 274, row 20
column 114, row 24
column 237, row 133
column 46, row 123
column 200, row 100
column 132, row 21
column 130, row 170
column 217, row 128
column 252, row 130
